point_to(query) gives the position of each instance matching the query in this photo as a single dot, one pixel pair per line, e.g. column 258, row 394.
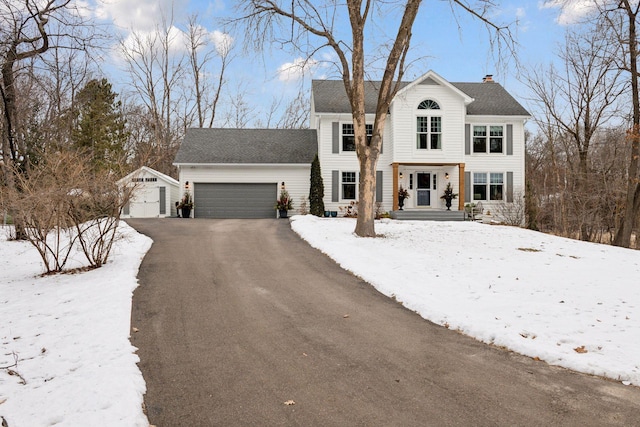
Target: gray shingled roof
column 490, row 98
column 261, row 146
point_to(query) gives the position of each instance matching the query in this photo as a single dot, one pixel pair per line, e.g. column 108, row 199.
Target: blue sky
column 455, row 46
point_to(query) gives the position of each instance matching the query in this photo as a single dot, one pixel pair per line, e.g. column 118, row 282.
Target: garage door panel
column 235, row 200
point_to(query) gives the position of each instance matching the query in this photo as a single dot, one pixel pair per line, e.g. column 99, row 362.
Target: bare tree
column 296, row 113
column 308, row 26
column 622, row 18
column 578, row 99
column 28, row 29
column 238, row 112
column 203, row 47
column 155, row 72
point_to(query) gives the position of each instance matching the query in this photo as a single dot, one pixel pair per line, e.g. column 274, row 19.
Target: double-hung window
column 349, row 185
column 349, row 138
column 488, row 186
column 429, row 126
column 488, row 139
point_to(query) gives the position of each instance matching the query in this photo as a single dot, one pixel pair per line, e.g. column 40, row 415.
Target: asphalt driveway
column 241, row 323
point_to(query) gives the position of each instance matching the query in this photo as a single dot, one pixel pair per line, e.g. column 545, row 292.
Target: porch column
column 461, row 186
column 395, row 186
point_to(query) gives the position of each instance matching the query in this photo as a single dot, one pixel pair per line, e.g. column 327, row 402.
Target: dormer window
column 429, row 126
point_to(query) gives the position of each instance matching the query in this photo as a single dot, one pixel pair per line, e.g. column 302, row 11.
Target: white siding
column 295, row 177
column 145, row 202
column 348, row 161
column 477, row 162
column 404, row 112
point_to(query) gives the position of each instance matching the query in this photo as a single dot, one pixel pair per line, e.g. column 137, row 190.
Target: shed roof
column 490, row 98
column 253, row 146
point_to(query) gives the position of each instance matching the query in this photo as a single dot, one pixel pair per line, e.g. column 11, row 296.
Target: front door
column 424, row 186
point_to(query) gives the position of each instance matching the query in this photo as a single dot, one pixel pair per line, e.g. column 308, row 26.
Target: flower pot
column 448, row 203
column 327, row 214
column 283, row 213
column 334, row 214
column 186, row 212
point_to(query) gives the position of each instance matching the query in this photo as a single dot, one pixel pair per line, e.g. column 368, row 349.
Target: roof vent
column 488, row 78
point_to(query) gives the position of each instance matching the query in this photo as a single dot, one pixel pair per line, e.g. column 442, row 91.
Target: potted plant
column 403, row 193
column 448, row 195
column 186, row 204
column 284, row 203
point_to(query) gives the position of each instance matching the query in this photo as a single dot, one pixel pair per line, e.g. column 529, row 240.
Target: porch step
column 428, row 215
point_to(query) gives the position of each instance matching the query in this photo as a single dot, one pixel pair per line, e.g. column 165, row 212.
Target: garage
column 235, row 200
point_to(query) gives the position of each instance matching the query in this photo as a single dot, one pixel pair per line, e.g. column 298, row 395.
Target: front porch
column 424, row 182
column 428, row 215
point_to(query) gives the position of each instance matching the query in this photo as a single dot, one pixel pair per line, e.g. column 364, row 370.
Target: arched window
column 428, row 104
column 429, row 125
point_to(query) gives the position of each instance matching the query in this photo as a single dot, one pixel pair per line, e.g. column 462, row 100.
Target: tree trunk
column 632, row 202
column 365, row 224
column 9, row 149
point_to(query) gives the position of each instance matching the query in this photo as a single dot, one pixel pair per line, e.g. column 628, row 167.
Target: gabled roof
column 253, row 146
column 139, row 172
column 432, row 78
column 489, row 99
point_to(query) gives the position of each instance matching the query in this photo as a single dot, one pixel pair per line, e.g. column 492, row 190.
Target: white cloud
column 222, row 41
column 571, row 11
column 291, row 71
column 142, row 42
column 140, row 15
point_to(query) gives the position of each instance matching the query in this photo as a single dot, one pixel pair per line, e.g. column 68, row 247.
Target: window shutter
column 509, row 187
column 467, row 139
column 467, row 187
column 163, row 200
column 335, row 185
column 509, row 140
column 378, row 186
column 335, row 134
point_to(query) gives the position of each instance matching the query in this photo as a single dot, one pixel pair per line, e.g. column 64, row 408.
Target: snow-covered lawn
column 569, row 303
column 70, row 336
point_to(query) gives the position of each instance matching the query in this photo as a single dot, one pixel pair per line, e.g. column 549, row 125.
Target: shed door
column 235, row 200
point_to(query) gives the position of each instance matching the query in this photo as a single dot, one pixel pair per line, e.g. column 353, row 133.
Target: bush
column 61, row 203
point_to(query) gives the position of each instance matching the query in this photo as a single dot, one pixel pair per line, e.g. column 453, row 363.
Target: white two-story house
column 468, row 134
column 437, row 132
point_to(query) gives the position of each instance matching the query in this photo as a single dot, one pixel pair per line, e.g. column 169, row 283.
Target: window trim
column 487, row 184
column 487, row 138
column 429, row 133
column 354, row 183
column 369, row 130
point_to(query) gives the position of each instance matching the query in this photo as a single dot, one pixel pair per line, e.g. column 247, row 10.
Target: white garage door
column 235, row 200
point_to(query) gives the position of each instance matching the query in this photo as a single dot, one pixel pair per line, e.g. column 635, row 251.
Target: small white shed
column 154, row 196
